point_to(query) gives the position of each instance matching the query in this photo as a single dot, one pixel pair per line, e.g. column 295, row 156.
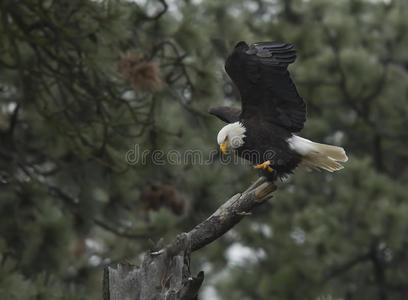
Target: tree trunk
column 165, row 271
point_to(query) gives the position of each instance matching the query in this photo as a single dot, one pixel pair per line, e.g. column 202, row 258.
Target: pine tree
column 88, row 87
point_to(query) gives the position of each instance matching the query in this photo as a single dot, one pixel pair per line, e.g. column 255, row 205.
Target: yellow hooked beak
column 224, row 147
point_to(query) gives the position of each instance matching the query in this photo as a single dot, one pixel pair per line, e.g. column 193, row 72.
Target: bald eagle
column 263, row 131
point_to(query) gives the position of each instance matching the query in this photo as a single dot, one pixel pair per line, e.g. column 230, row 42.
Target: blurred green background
column 82, row 82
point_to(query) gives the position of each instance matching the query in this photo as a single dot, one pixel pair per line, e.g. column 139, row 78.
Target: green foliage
column 83, row 82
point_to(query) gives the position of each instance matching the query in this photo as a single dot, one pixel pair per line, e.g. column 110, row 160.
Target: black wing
column 260, row 73
column 225, row 113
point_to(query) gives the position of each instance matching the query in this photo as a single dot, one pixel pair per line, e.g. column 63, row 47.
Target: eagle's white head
column 231, row 135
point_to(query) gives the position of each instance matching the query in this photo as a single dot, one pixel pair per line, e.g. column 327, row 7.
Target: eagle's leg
column 264, row 165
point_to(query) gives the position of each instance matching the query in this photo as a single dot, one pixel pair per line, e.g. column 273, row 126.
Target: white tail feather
column 315, row 155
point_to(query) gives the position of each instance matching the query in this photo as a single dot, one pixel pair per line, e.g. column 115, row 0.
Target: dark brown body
column 270, row 142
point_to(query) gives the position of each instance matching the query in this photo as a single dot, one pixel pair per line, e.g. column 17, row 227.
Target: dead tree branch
column 165, row 271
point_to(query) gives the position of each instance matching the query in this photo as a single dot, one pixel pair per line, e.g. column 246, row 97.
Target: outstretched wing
column 260, row 73
column 225, row 113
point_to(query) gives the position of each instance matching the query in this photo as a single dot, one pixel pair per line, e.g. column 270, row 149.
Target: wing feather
column 267, row 91
column 225, row 113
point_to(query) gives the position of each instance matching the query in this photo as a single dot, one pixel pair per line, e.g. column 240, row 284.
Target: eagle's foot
column 264, row 165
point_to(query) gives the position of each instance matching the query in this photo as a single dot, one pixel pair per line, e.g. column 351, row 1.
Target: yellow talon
column 270, row 169
column 263, row 165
